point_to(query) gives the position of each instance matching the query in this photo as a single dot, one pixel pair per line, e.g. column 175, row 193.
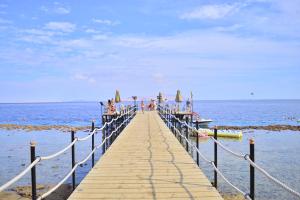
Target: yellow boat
column 222, row 133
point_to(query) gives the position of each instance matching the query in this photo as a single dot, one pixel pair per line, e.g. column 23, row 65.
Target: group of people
column 150, row 106
column 111, row 108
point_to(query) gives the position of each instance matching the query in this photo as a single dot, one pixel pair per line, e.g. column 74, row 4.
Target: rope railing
column 208, row 161
column 41, row 158
column 246, row 157
column 82, row 162
column 20, row 175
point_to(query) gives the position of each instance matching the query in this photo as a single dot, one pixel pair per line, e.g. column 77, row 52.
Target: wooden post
column 33, row 171
column 252, row 172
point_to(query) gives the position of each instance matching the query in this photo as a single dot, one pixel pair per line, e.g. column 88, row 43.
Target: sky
column 85, row 50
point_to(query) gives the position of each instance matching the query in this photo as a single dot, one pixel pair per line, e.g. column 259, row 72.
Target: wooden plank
column 146, row 162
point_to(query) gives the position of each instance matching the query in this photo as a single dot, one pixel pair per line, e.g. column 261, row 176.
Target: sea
column 276, row 151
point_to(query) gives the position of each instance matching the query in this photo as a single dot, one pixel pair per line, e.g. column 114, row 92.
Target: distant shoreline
column 279, row 127
column 130, row 100
column 28, row 128
column 67, row 128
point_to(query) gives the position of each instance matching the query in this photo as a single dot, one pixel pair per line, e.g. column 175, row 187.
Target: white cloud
column 62, row 10
column 158, row 78
column 84, row 77
column 105, row 22
column 100, row 37
column 44, row 9
column 57, row 9
column 61, row 26
column 90, row 30
column 213, row 11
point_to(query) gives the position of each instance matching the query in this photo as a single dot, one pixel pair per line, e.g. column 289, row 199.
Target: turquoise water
column 278, row 152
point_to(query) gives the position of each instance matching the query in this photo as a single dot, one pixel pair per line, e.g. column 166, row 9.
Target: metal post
column 93, row 143
column 73, row 159
column 175, row 127
column 103, row 136
column 106, row 133
column 180, row 130
column 252, row 172
column 197, row 141
column 187, row 134
column 215, row 157
column 33, row 172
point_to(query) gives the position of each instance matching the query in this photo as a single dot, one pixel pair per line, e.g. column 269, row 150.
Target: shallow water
column 15, row 155
column 278, row 152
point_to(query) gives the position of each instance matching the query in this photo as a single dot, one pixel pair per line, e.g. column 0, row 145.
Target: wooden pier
column 146, row 162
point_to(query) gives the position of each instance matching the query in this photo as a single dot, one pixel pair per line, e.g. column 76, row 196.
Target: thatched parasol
column 160, row 98
column 178, row 98
column 117, row 97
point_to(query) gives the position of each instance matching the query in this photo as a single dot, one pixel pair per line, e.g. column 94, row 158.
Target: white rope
column 90, row 135
column 245, row 156
column 227, row 149
column 38, row 159
column 246, row 195
column 59, row 152
column 20, row 175
column 104, row 125
column 281, row 184
column 81, row 162
column 210, row 162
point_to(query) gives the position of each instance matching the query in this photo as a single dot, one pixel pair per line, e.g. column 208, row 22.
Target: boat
column 202, row 122
column 222, row 133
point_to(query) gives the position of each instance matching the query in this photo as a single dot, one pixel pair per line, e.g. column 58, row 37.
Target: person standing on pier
column 142, row 106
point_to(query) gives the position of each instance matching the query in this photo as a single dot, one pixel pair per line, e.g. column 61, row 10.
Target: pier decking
column 146, row 162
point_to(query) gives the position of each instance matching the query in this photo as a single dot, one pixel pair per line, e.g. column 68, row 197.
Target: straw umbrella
column 178, row 98
column 160, row 98
column 117, row 97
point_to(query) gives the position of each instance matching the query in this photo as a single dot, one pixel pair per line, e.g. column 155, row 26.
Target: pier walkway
column 146, row 162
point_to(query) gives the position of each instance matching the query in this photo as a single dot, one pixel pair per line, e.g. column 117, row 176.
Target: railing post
column 252, row 172
column 93, row 143
column 106, row 134
column 180, row 130
column 187, row 134
column 73, row 159
column 197, row 141
column 103, row 136
column 215, row 157
column 33, row 172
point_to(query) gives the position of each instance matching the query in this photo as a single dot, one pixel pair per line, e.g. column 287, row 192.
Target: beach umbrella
column 160, row 98
column 117, row 97
column 178, row 99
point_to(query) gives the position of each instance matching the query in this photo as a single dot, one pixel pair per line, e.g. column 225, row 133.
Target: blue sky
column 84, row 50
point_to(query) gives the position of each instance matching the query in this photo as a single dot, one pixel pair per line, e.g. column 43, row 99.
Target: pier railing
column 183, row 129
column 110, row 131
